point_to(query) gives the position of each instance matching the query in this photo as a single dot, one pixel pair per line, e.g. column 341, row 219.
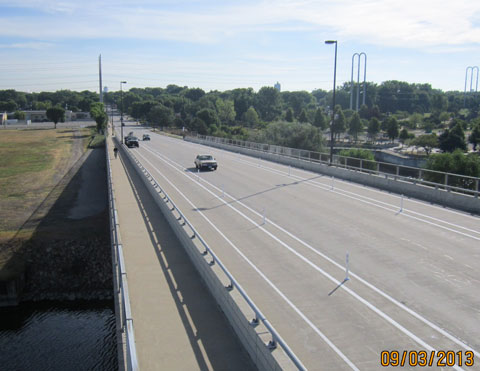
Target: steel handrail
column 120, row 272
column 260, row 147
column 276, row 338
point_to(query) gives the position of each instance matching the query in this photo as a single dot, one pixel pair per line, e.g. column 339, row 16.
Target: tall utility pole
column 359, row 55
column 333, row 108
column 472, row 70
column 100, row 77
column 121, row 109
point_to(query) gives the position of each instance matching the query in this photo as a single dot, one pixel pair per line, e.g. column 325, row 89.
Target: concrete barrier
column 386, row 182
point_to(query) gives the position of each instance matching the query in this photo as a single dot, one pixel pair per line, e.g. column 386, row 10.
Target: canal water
column 58, row 336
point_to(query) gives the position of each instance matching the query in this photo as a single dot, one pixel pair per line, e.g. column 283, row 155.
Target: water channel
column 58, row 336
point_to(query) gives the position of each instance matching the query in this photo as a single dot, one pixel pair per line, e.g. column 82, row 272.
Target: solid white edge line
column 352, row 184
column 386, row 296
column 277, row 290
column 308, row 262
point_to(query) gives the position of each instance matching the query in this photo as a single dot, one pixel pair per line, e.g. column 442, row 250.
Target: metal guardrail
column 259, row 316
column 120, row 276
column 431, row 178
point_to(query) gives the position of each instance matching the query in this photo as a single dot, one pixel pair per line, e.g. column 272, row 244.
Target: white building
column 277, row 86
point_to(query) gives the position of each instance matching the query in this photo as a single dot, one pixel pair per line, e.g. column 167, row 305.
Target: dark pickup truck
column 131, row 142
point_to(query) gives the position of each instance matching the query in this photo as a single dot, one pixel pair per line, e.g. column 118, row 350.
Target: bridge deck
column 176, row 321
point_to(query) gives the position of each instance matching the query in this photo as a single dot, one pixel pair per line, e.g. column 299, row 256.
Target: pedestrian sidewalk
column 177, row 323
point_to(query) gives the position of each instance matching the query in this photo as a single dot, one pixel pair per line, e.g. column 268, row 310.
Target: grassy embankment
column 97, row 140
column 32, row 162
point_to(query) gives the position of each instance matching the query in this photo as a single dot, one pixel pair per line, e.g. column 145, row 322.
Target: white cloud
column 27, row 45
column 410, row 23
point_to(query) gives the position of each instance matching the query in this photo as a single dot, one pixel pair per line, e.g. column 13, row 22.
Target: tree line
column 295, row 119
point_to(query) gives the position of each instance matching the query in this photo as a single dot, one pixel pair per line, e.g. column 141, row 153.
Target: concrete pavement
column 177, row 324
column 413, row 283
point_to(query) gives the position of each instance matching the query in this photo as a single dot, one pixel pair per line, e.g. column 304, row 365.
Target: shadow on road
column 204, row 323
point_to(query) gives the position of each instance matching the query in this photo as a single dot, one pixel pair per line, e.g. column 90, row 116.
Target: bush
column 289, row 134
column 455, row 163
column 363, row 154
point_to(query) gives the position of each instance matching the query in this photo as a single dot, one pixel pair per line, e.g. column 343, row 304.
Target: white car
column 205, row 162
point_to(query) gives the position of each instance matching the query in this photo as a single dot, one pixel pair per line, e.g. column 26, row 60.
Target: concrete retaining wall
column 384, row 156
column 389, row 183
column 251, row 337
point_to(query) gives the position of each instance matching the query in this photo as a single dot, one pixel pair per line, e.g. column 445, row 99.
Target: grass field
column 31, row 163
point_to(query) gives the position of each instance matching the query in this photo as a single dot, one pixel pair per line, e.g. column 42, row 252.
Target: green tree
column 392, row 128
column 56, row 114
column 243, row 99
column 404, row 135
column 373, row 128
column 363, row 154
column 208, row 116
column 456, row 163
column 289, row 115
column 8, row 106
column 452, row 139
column 319, row 121
column 297, row 100
column 415, row 120
column 140, row 110
column 289, row 134
column 427, row 141
column 199, row 126
column 474, row 137
column 226, row 110
column 364, row 112
column 194, row 94
column 161, row 115
column 340, row 124
column 19, row 115
column 356, row 126
column 267, row 103
column 97, row 111
column 303, row 116
column 251, row 117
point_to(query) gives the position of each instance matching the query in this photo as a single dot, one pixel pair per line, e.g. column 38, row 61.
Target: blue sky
column 47, row 45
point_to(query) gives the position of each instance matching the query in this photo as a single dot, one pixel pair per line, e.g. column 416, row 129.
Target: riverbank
column 62, row 251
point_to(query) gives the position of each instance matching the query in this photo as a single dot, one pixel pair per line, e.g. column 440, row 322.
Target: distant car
column 131, row 142
column 205, row 162
column 146, row 137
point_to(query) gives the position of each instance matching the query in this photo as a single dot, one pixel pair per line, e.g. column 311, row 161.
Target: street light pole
column 121, row 109
column 333, row 108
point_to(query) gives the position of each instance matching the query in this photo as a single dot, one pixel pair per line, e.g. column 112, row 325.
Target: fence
column 120, row 279
column 436, row 179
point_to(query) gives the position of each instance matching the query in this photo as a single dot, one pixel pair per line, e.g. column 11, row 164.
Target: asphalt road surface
column 413, row 272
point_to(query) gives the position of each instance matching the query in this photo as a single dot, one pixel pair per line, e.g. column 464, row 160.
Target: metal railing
column 436, row 179
column 120, row 276
column 259, row 316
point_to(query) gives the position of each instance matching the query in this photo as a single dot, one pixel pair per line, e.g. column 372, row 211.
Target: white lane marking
column 373, row 202
column 370, row 201
column 395, row 207
column 371, row 286
column 352, row 184
column 448, row 257
column 303, row 258
column 277, row 290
